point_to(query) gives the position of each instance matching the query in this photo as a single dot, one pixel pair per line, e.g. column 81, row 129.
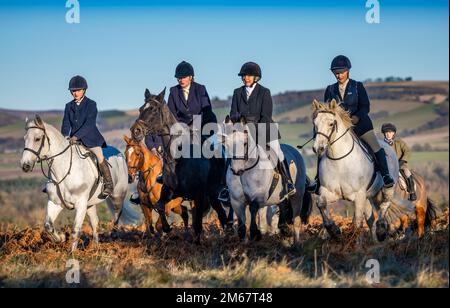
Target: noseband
column 328, row 137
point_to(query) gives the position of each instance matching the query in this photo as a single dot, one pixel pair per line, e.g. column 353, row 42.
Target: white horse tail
column 128, row 216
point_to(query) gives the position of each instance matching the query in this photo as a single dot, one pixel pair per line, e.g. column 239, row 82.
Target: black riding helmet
column 250, row 69
column 184, row 69
column 340, row 64
column 77, row 83
column 388, row 127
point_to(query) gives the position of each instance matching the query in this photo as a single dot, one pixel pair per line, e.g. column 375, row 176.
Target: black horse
column 197, row 179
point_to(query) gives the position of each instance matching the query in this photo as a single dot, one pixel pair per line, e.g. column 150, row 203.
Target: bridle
column 145, row 173
column 50, row 161
column 245, row 158
column 330, row 142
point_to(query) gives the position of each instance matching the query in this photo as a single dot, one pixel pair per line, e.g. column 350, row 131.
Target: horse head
column 237, row 140
column 328, row 120
column 37, row 143
column 154, row 114
column 134, row 157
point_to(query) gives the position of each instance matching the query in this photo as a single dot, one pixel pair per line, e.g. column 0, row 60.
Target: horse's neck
column 58, row 144
column 344, row 145
column 149, row 159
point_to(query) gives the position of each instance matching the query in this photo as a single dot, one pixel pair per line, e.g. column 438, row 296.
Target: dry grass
column 28, row 258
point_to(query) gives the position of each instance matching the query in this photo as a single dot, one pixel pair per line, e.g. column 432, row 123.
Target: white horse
column 347, row 172
column 76, row 176
column 250, row 181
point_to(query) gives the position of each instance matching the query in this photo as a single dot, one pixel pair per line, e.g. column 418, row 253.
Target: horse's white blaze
column 130, row 151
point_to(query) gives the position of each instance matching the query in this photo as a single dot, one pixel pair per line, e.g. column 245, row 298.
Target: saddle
column 85, row 153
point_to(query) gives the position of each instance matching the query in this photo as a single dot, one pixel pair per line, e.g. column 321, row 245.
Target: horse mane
column 334, row 108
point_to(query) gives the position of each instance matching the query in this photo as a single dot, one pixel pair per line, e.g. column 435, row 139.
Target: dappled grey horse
column 347, row 172
column 251, row 179
column 72, row 179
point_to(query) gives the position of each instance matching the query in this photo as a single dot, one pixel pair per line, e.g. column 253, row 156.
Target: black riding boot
column 384, row 170
column 224, row 194
column 411, row 190
column 107, row 180
column 286, row 178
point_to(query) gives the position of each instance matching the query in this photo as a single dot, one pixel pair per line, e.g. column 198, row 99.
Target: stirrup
column 159, row 179
column 224, row 195
column 135, row 200
column 388, row 181
column 291, row 190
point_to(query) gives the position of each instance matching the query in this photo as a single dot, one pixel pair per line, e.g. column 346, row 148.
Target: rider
column 255, row 102
column 79, row 123
column 189, row 98
column 353, row 98
column 403, row 153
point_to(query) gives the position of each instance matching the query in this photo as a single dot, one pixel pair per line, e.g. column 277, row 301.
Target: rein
column 50, row 161
column 331, row 142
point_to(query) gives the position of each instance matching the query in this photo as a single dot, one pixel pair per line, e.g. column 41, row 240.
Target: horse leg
column 217, row 206
column 81, row 209
column 166, row 196
column 358, row 219
column 147, row 211
column 93, row 220
column 328, row 222
column 197, row 218
column 370, row 219
column 255, row 234
column 296, row 205
column 420, row 217
column 239, row 209
column 283, row 218
column 51, row 214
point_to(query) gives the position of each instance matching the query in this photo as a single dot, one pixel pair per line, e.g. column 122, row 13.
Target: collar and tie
column 186, row 92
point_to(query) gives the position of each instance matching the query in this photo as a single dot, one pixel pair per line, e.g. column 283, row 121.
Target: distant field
column 421, row 157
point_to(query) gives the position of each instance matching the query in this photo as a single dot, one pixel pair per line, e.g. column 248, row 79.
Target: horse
column 347, row 172
column 253, row 181
column 197, row 179
column 149, row 165
column 73, row 180
column 424, row 207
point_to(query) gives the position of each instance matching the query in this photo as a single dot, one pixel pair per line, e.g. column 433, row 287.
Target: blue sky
column 122, row 47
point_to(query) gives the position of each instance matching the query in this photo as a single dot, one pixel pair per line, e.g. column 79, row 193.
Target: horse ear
column 147, row 94
column 316, row 104
column 161, row 95
column 38, row 121
column 227, row 119
column 243, row 120
column 126, row 139
column 333, row 104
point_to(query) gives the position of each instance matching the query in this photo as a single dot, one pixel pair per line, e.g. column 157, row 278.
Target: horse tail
column 430, row 214
column 306, row 207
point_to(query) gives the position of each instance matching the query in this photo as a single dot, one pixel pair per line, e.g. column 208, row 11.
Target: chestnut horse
column 141, row 159
column 425, row 208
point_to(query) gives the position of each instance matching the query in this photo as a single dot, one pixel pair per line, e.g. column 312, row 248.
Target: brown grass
column 28, row 258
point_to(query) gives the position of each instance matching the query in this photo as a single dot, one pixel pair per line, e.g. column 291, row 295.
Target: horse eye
column 331, row 124
column 37, row 139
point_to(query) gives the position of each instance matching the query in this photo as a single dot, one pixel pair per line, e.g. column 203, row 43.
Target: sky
column 123, row 47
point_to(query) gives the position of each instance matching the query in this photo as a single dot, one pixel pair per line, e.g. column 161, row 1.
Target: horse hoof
column 167, row 229
column 255, row 235
column 382, row 230
column 284, row 230
column 333, row 230
column 229, row 229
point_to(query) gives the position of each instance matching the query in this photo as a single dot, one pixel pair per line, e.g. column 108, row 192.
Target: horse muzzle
column 27, row 167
